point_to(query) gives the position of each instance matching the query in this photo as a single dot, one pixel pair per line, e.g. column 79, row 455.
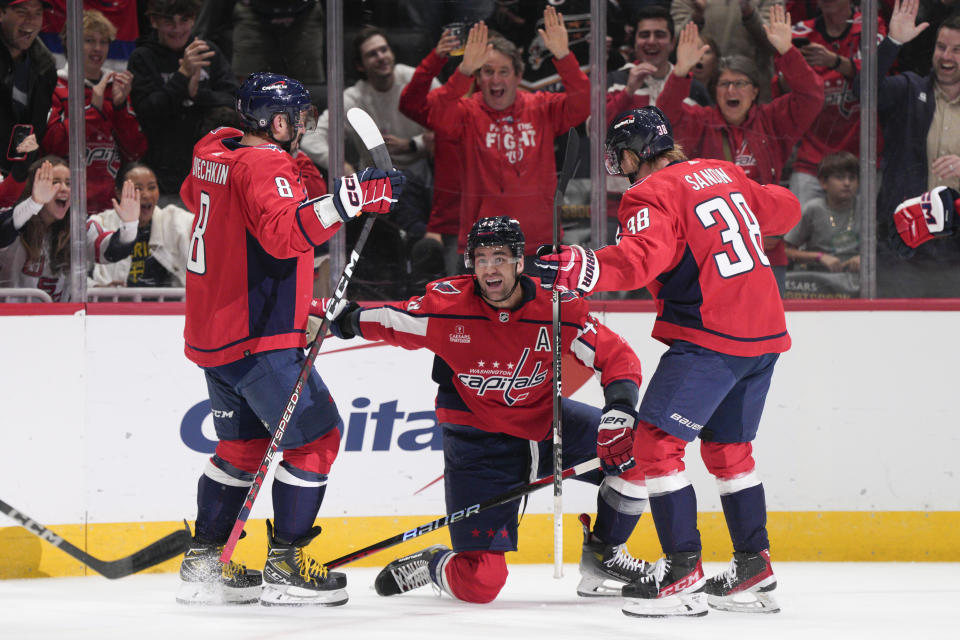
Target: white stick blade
column 365, row 127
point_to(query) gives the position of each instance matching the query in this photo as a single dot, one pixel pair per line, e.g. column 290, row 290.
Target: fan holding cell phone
column 29, row 75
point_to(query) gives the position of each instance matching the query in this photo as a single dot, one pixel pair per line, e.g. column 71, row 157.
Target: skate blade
column 212, row 594
column 745, row 602
column 278, row 596
column 591, row 587
column 678, row 605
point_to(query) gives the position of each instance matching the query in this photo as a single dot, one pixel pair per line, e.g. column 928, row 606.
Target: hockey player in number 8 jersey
column 490, row 332
column 249, row 285
column 692, row 232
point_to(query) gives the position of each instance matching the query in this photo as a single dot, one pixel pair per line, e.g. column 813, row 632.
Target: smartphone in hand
column 18, row 135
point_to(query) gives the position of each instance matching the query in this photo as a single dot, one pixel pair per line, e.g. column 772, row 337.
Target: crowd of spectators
column 474, row 99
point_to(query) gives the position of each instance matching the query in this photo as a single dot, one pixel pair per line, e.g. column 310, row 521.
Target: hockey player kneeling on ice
column 491, row 334
column 249, row 277
column 692, row 231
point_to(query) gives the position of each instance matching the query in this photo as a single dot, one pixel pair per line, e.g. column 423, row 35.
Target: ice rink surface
column 819, row 601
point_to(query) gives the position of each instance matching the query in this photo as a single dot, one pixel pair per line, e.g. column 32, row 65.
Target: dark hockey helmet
column 262, row 95
column 645, row 131
column 494, row 232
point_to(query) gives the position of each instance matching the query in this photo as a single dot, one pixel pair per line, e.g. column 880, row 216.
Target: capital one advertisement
column 150, row 419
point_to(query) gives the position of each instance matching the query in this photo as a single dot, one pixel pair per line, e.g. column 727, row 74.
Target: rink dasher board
column 110, row 411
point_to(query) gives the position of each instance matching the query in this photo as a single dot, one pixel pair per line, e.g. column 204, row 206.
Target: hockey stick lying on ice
column 462, row 514
column 169, row 546
column 363, row 124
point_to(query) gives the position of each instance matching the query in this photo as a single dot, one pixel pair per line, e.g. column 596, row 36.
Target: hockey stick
column 363, row 124
column 570, row 161
column 169, row 546
column 462, row 514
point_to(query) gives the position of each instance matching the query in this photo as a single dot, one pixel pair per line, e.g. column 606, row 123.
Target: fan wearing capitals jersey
column 491, row 333
column 690, row 233
column 249, row 283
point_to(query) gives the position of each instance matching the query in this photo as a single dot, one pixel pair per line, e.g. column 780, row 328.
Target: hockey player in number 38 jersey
column 692, row 232
column 491, row 333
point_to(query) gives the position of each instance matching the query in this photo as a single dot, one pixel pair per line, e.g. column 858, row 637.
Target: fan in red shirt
column 690, row 232
column 834, row 53
column 506, row 136
column 112, row 131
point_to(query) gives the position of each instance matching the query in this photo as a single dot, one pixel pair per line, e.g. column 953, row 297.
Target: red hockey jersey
column 250, row 267
column 690, row 232
column 494, row 366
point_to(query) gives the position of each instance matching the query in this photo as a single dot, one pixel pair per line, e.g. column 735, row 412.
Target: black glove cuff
column 621, row 392
column 348, row 322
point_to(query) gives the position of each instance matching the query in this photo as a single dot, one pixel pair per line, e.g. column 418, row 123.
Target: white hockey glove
column 370, row 190
column 574, row 268
column 930, row 215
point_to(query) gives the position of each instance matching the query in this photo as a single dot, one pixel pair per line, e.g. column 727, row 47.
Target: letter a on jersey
column 543, row 340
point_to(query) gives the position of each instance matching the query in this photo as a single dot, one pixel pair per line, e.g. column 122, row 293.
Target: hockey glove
column 574, row 268
column 928, row 216
column 340, row 318
column 370, row 190
column 615, row 438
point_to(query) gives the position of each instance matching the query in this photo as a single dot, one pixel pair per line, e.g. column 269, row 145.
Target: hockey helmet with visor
column 645, row 131
column 263, row 95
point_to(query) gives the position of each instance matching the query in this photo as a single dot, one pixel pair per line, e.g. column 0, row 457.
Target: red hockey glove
column 928, row 216
column 370, row 190
column 615, row 439
column 340, row 321
column 574, row 268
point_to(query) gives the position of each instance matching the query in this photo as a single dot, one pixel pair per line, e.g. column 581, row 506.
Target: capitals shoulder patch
column 445, row 287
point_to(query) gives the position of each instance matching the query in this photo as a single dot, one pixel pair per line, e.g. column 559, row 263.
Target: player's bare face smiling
column 497, row 272
column 498, row 81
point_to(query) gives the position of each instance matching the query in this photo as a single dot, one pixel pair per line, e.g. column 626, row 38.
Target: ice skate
column 407, row 573
column 291, row 577
column 673, row 588
column 745, row 586
column 206, row 580
column 605, row 568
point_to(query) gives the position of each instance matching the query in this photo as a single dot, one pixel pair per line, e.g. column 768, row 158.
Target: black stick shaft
column 462, row 514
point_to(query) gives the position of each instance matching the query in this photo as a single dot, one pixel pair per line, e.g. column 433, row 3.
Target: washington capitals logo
column 445, row 287
column 507, row 381
column 279, row 84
